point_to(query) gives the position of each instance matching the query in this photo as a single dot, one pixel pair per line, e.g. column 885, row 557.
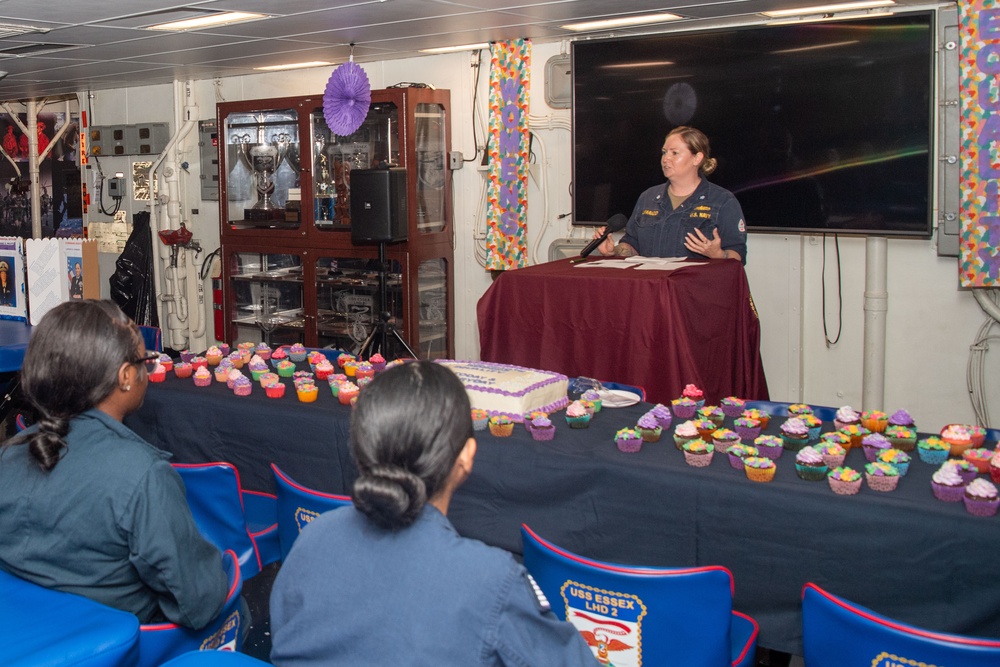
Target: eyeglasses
column 149, row 361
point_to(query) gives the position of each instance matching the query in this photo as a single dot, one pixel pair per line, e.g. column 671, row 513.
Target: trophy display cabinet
column 291, row 272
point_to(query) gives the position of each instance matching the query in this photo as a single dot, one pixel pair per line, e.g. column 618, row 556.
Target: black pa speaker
column 378, row 205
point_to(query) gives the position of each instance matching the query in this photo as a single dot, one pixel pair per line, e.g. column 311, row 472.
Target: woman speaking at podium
column 687, row 217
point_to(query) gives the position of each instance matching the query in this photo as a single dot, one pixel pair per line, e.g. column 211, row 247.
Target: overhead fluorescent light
column 462, row 47
column 621, row 22
column 829, row 9
column 644, row 63
column 209, row 20
column 276, row 68
column 839, row 16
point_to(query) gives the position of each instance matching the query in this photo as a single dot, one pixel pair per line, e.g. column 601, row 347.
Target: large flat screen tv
column 822, row 127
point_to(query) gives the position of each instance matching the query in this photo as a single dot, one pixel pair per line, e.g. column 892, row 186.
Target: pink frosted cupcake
column 628, row 440
column 695, row 394
column 234, row 374
column 199, row 362
column 159, row 374
column 733, row 406
column 844, row 481
column 344, row 358
column 995, row 467
column 277, row 356
column 348, row 391
column 684, row 433
column 958, row 437
column 947, row 484
column 257, row 367
column 979, row 457
column 378, row 362
column 769, row 446
column 981, row 498
column 263, row 350
column 183, row 369
column 698, row 453
column 324, row 369
column 202, row 377
column 213, row 355
column 577, row 415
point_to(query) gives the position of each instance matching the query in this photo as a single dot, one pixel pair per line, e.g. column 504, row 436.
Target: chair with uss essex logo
column 644, row 615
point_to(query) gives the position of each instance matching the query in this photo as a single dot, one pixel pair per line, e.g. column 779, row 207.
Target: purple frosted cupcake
column 747, row 428
column 662, row 414
column 732, row 406
column 873, row 444
column 649, row 428
column 947, row 484
column 683, row 407
column 769, row 446
column 297, row 352
column 902, row 418
column 981, row 498
column 810, row 465
column 542, row 428
column 242, row 386
column 594, row 397
column 628, row 440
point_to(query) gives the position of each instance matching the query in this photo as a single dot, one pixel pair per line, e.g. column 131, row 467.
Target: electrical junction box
column 208, row 152
column 116, row 186
column 146, row 138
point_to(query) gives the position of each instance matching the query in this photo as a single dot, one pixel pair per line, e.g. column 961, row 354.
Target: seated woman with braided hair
column 86, row 505
column 389, row 581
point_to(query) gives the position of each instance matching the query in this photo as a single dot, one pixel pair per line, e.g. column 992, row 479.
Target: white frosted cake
column 510, row 390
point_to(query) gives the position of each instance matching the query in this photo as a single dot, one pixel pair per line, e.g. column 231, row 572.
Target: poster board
column 13, row 302
column 60, row 270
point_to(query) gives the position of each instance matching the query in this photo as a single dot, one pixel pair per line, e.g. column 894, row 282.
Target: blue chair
column 159, row 642
column 838, row 633
column 655, row 616
column 214, row 659
column 298, row 505
column 231, row 518
column 152, row 337
column 47, row 627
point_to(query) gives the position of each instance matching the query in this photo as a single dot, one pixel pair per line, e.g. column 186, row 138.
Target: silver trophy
column 263, row 158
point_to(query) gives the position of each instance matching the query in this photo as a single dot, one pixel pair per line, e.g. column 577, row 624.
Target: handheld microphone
column 615, row 224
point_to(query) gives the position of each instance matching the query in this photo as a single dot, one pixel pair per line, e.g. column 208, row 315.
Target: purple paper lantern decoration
column 346, row 99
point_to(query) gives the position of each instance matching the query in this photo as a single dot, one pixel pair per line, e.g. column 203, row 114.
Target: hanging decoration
column 347, row 97
column 979, row 260
column 507, row 192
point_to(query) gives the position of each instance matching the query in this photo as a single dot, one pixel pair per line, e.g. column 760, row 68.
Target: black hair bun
column 390, row 496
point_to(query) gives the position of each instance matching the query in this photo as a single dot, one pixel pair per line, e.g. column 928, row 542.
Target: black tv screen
column 822, row 127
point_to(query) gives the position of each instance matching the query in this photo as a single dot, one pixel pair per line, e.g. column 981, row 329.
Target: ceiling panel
column 117, row 52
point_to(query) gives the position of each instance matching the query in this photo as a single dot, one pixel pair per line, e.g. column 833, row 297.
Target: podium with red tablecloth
column 658, row 329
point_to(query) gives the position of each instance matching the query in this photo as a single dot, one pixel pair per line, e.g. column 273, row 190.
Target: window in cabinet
column 262, row 155
column 347, row 302
column 431, row 167
column 432, row 284
column 266, row 298
column 375, row 144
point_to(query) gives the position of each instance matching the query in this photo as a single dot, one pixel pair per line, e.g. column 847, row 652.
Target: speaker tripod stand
column 386, row 325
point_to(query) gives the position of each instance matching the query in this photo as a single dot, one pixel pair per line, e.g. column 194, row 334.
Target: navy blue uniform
column 351, row 593
column 657, row 229
column 110, row 522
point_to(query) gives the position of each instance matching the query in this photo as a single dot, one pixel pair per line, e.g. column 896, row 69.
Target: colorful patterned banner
column 980, row 151
column 507, row 194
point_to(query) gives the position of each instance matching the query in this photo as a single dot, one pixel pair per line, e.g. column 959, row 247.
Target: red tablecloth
column 657, row 329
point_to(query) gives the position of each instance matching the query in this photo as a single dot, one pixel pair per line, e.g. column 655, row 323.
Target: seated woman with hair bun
column 86, row 505
column 389, row 581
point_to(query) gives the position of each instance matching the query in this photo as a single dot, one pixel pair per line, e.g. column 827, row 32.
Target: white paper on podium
column 606, row 264
column 656, row 263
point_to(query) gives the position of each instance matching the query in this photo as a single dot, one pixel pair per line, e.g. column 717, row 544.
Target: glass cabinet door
column 374, row 145
column 266, row 298
column 432, row 284
column 262, row 158
column 348, row 303
column 431, row 167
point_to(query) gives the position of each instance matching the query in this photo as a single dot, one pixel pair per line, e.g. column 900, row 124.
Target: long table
column 658, row 329
column 903, row 553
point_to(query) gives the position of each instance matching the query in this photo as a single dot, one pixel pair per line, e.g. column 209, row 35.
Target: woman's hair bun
column 389, row 495
column 709, row 165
